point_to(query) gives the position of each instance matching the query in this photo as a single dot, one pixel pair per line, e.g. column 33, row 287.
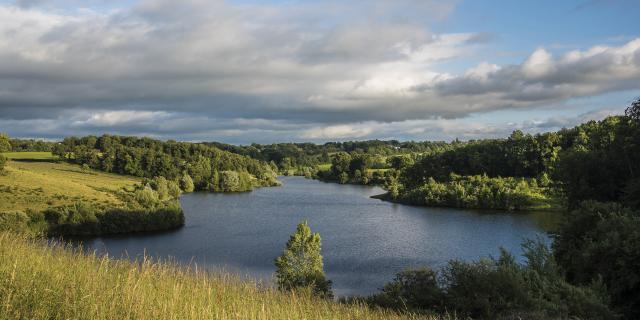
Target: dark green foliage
column 300, row 265
column 412, row 290
column 31, row 145
column 518, row 156
column 633, row 111
column 479, row 192
column 400, row 162
column 495, row 289
column 602, row 242
column 83, row 220
column 602, row 162
column 340, row 163
column 150, row 158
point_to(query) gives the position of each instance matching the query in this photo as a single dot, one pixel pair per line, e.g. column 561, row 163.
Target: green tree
column 343, row 177
column 300, row 265
column 5, row 145
column 186, row 183
column 230, row 181
column 340, row 163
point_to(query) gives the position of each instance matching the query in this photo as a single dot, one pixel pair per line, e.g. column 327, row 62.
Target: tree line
column 476, row 192
column 208, row 168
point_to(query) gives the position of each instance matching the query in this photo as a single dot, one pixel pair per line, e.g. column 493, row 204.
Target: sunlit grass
column 51, row 282
column 30, row 155
column 38, row 185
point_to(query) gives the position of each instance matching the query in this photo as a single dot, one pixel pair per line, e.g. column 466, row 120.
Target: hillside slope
column 38, row 185
column 51, row 282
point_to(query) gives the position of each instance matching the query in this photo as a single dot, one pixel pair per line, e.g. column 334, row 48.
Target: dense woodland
column 209, row 168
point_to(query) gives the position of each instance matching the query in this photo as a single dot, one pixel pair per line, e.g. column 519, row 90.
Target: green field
column 31, row 182
column 50, row 282
column 29, row 155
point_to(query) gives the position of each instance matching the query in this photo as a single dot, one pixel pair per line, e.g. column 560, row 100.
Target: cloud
column 337, row 132
column 316, row 70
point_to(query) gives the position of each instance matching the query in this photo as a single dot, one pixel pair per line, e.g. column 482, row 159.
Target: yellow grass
column 30, row 155
column 49, row 282
column 39, row 185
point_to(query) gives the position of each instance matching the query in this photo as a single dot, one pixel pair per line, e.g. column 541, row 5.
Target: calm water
column 365, row 241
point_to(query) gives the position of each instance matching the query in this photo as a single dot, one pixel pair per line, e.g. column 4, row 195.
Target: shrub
column 496, row 289
column 415, row 289
column 601, row 241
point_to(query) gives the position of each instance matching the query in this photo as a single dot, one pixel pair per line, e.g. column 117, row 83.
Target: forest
column 209, row 168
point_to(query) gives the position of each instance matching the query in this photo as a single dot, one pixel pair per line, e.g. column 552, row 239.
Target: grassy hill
column 40, row 281
column 33, row 180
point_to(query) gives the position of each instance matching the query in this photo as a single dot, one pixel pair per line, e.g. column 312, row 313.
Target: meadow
column 34, row 180
column 43, row 280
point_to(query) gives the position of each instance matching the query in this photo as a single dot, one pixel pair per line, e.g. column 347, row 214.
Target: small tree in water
column 300, row 265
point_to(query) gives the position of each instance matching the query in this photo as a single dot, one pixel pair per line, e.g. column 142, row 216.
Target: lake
column 365, row 241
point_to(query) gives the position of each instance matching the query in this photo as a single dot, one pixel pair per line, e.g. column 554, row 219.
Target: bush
column 601, row 241
column 29, row 222
column 411, row 290
column 495, row 289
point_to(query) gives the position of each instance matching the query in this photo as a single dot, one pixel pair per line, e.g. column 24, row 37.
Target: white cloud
column 337, row 132
column 539, row 64
column 121, row 118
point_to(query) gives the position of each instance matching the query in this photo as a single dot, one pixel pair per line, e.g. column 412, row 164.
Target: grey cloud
column 198, row 65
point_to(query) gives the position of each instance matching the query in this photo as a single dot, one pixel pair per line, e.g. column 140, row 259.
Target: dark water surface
column 365, row 241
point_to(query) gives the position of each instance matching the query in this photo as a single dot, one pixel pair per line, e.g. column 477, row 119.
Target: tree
column 340, row 163
column 186, row 183
column 400, row 162
column 300, row 265
column 343, row 177
column 633, row 111
column 230, row 181
column 5, row 145
column 601, row 241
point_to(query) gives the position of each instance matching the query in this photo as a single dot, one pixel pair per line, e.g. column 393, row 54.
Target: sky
column 243, row 71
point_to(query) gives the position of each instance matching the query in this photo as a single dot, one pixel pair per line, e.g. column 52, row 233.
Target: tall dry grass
column 45, row 281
